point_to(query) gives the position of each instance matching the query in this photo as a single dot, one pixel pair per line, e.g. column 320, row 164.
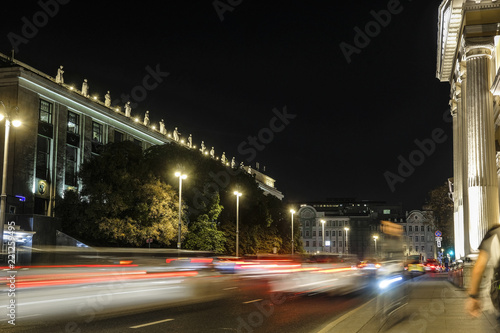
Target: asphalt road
column 246, row 306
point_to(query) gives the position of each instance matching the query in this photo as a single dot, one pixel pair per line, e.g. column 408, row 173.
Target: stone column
column 482, row 179
column 463, row 128
column 456, row 113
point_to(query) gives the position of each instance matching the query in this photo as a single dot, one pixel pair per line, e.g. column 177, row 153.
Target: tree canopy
column 129, row 195
column 440, row 203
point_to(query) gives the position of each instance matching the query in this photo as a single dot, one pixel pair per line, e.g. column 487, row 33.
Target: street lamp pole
column 375, row 239
column 323, row 234
column 237, row 194
column 181, row 177
column 3, row 196
column 293, row 212
column 346, row 239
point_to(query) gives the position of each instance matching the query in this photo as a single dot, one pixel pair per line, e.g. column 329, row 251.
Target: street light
column 181, row 177
column 323, row 234
column 346, row 238
column 375, row 239
column 3, row 197
column 238, row 195
column 293, row 212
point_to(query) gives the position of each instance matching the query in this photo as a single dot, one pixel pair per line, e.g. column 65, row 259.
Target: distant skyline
column 334, row 99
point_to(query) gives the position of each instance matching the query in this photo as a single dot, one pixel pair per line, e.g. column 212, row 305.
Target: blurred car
column 331, row 274
column 432, row 265
column 413, row 265
column 369, row 266
column 416, row 268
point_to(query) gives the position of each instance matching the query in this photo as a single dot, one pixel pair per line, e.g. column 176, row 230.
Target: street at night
column 250, row 166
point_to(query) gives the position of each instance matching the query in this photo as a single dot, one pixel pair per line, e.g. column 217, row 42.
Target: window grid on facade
column 71, row 165
column 73, row 123
column 42, row 157
column 97, row 132
column 45, row 112
column 118, row 136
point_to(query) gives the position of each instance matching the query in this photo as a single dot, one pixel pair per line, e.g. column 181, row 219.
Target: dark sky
column 349, row 122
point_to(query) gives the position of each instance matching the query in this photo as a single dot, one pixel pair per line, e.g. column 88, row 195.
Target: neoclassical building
column 468, row 58
column 62, row 126
column 418, row 233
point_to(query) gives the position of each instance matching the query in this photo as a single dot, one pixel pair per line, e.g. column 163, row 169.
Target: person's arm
column 477, row 272
column 473, row 305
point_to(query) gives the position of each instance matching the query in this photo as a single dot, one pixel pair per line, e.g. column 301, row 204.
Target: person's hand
column 473, row 307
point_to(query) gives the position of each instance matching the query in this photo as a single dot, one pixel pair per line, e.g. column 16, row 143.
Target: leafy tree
column 440, row 203
column 121, row 203
column 203, row 233
column 129, row 196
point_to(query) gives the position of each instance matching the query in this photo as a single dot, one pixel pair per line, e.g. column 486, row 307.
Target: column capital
column 478, row 46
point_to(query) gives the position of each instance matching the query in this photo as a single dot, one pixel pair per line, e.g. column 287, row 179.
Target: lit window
column 73, row 123
column 45, row 113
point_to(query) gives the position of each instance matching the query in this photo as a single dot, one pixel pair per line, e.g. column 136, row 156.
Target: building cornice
column 451, row 20
column 449, row 27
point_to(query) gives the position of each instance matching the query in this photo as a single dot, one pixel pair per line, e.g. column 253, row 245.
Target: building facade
column 419, row 234
column 349, row 225
column 468, row 58
column 61, row 128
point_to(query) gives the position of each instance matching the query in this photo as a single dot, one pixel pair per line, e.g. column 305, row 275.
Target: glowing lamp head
column 16, row 123
column 236, row 193
column 178, row 174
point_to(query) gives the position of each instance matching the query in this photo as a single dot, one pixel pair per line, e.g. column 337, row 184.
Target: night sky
column 349, row 120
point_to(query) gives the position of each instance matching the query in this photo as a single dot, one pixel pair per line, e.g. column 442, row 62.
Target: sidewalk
column 424, row 304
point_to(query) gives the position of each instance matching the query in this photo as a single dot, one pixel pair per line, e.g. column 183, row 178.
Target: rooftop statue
column 176, row 135
column 59, row 76
column 212, row 152
column 233, row 163
column 223, row 159
column 128, row 109
column 107, row 99
column 203, row 148
column 85, row 88
column 146, row 119
column 162, row 127
column 190, row 141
